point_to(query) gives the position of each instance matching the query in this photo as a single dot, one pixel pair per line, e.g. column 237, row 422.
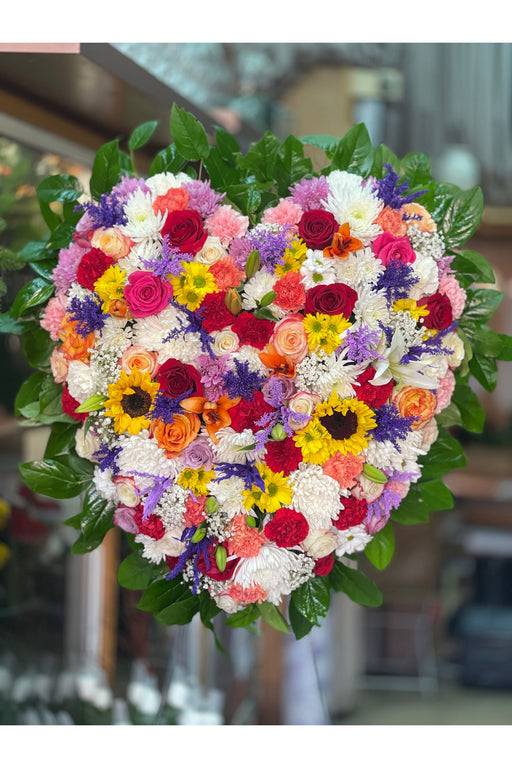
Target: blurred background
column 73, row 647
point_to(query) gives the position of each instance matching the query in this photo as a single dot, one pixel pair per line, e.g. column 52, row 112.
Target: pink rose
column 388, row 248
column 147, row 294
column 123, row 518
column 289, row 338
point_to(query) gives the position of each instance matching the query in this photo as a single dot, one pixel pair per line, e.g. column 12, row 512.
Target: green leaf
column 27, row 399
column 471, row 411
column 62, row 188
column 481, row 304
column 37, row 346
column 354, row 151
column 106, row 170
column 181, row 612
column 61, row 440
column 34, row 251
column 63, row 234
column 32, row 295
column 445, row 455
column 188, row 134
column 168, row 160
column 271, row 615
column 449, row 417
column 299, row 624
column 261, row 157
column 416, row 168
column 506, row 348
column 44, row 268
column 96, row 520
column 243, row 618
column 208, row 609
column 10, row 324
column 264, row 313
column 383, row 155
column 246, row 199
column 324, row 141
column 471, row 267
column 162, row 594
column 423, row 498
column 312, row 599
column 136, row 572
column 61, row 478
column 462, row 217
column 485, row 371
column 291, row 165
column 355, row 584
column 141, row 135
column 227, row 145
column 381, row 548
column 221, row 173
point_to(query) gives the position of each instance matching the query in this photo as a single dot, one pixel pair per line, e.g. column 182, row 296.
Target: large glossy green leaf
column 272, row 616
column 63, row 477
column 188, row 134
column 471, row 267
column 243, row 618
column 168, row 160
column 261, row 157
column 355, row 584
column 312, row 599
column 415, row 167
column 37, row 346
column 354, row 151
column 462, row 217
column 96, row 520
column 106, row 170
column 472, row 413
column 423, row 498
column 381, row 548
column 445, row 455
column 62, row 188
column 221, row 173
column 291, row 165
column 61, row 439
column 163, row 593
column 32, row 295
column 136, row 572
column 298, row 622
column 141, row 135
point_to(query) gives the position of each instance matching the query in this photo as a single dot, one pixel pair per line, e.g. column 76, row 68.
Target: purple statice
column 379, row 511
column 106, row 458
column 161, row 484
column 289, row 417
column 212, row 372
column 387, row 331
column 64, row 274
column 390, row 425
column 249, row 473
column 444, row 266
column 309, row 193
column 431, row 346
column 266, row 423
column 193, row 324
column 396, row 281
column 169, row 262
column 239, row 251
column 361, row 344
column 391, row 192
column 109, row 212
column 164, row 408
column 270, row 244
column 203, row 198
column 87, row 314
column 242, row 382
column 128, row 185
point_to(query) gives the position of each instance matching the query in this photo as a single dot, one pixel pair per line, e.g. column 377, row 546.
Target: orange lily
column 342, row 244
column 215, row 415
column 281, row 365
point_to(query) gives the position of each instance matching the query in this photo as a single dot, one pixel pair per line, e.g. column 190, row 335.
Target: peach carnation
column 244, row 541
column 285, row 212
column 226, row 224
column 252, row 594
column 290, row 292
column 226, row 274
column 450, row 287
column 391, row 221
column 343, row 469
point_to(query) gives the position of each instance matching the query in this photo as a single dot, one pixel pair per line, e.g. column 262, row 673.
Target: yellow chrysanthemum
column 196, row 480
column 276, row 495
column 325, row 331
column 293, row 258
column 193, row 283
column 110, row 285
column 410, row 305
column 130, row 400
column 336, row 425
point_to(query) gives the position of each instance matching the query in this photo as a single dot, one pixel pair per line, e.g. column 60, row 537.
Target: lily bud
column 198, row 535
column 221, row 557
column 278, row 433
column 250, row 521
column 233, row 301
column 93, row 403
column 253, row 263
column 267, row 299
column 374, row 474
column 212, row 505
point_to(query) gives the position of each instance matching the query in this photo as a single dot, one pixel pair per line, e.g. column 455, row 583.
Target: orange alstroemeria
column 215, row 415
column 342, row 244
column 280, row 365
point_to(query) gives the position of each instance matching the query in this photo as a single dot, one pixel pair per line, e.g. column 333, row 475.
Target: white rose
column 171, row 544
column 86, row 443
column 425, row 269
column 225, row 342
column 126, row 491
column 367, row 489
column 454, row 343
column 319, row 544
column 211, row 251
column 303, row 403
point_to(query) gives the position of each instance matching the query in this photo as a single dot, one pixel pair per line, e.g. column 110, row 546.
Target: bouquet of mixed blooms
column 252, row 375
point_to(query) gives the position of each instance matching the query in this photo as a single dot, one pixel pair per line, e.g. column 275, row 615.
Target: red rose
column 69, row 405
column 177, row 378
column 335, row 299
column 212, row 569
column 388, row 248
column 283, row 455
column 317, row 228
column 251, row 330
column 324, row 565
column 214, row 313
column 185, row 230
column 146, row 293
column 287, row 528
column 247, row 412
column 152, row 526
column 374, row 395
column 91, row 267
column 354, row 512
column 440, row 311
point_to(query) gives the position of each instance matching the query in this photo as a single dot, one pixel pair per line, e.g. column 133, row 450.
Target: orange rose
column 417, row 402
column 290, row 339
column 112, row 242
column 175, row 437
column 140, row 358
column 425, row 224
column 391, row 221
column 118, row 308
column 75, row 346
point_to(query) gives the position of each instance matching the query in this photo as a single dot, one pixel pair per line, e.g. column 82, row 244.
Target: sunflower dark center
column 340, row 427
column 136, row 404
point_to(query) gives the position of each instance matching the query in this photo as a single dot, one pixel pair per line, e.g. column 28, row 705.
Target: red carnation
column 287, row 528
column 92, row 266
column 153, row 526
column 253, row 331
column 440, row 311
column 335, row 299
column 214, row 313
column 283, row 455
column 324, row 565
column 185, row 230
column 374, row 395
column 212, row 569
column 248, row 412
column 317, row 228
column 354, row 512
column 69, row 406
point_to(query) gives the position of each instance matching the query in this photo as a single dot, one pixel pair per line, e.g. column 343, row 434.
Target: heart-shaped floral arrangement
column 255, row 398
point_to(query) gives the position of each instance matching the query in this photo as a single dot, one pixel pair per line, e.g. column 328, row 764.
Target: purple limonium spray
column 168, row 263
column 193, row 325
column 87, row 315
column 248, row 472
column 391, row 192
column 108, row 212
column 361, row 344
column 271, row 246
column 106, row 458
column 390, row 425
column 242, row 382
column 397, row 281
column 164, row 408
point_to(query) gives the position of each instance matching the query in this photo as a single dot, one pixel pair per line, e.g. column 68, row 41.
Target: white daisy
column 352, row 540
column 316, row 269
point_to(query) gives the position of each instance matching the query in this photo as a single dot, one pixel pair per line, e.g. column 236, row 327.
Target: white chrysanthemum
column 161, row 183
column 76, row 291
column 229, row 495
column 142, row 220
column 426, row 243
column 80, row 380
column 425, row 269
column 371, row 308
column 150, row 332
column 115, row 335
column 171, row 507
column 339, row 377
column 316, row 269
column 352, row 201
column 315, row 495
column 359, row 269
column 102, row 481
column 256, row 288
column 232, row 446
column 352, row 540
column 412, row 446
column 146, row 250
column 185, row 348
column 274, row 569
column 140, row 456
column 156, row 550
column 383, row 454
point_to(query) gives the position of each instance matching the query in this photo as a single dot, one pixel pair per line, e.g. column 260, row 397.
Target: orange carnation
column 290, row 292
column 175, row 436
column 226, row 274
column 175, row 199
column 391, row 221
column 417, row 402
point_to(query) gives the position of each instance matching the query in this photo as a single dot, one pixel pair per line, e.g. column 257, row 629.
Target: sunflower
column 336, row 425
column 277, row 492
column 129, row 401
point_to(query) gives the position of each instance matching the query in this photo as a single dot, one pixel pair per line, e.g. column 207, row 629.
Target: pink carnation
column 226, row 224
column 285, row 212
column 445, row 391
column 54, row 315
column 64, row 273
column 252, row 594
column 450, row 287
column 343, row 469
